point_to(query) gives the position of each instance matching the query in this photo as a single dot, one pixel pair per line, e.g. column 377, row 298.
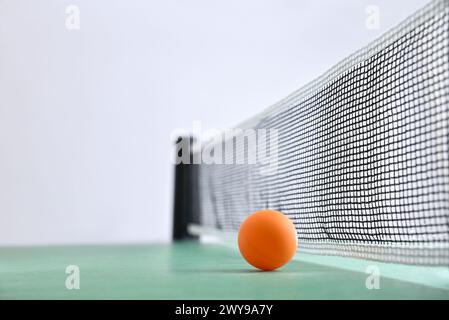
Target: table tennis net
column 358, row 159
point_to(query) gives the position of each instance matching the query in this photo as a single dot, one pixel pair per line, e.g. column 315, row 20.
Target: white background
column 86, row 116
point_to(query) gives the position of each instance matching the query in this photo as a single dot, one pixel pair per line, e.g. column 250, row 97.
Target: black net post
column 186, row 205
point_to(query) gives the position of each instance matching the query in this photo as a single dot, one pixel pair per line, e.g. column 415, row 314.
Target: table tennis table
column 183, row 270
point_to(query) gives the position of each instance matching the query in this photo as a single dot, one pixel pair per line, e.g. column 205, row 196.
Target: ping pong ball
column 267, row 239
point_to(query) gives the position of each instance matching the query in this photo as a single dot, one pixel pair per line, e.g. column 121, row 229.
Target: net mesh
column 361, row 164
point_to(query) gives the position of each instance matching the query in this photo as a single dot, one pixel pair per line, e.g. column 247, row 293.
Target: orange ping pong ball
column 267, row 239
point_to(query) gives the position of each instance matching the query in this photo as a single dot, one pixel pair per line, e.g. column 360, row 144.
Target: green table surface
column 186, row 270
